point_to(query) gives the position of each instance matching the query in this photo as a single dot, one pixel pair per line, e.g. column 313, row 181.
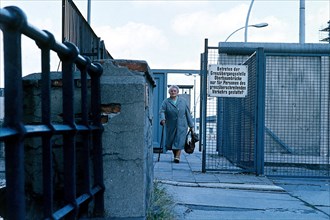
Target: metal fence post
column 69, row 138
column 203, row 104
column 97, row 139
column 14, row 148
column 47, row 157
column 260, row 119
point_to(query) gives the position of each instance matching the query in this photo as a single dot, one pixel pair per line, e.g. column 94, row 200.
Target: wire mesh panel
column 211, row 122
column 230, row 122
column 239, row 122
column 297, row 116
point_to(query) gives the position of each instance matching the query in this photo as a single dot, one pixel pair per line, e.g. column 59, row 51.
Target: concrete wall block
column 124, row 194
column 124, row 144
column 33, row 146
column 33, row 165
column 32, row 97
column 127, row 139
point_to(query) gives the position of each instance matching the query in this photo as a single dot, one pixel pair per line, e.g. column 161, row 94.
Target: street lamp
column 260, row 25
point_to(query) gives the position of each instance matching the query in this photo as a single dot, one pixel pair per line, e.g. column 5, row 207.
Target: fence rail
column 13, row 23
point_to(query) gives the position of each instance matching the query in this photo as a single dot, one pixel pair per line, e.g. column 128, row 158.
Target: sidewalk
column 220, row 195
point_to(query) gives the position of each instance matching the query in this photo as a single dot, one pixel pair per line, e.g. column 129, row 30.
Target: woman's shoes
column 176, row 160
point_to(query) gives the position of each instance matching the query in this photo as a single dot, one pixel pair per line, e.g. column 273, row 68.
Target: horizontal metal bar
column 81, row 199
column 84, row 197
column 95, row 128
column 63, row 211
column 32, row 130
column 61, row 128
column 184, row 71
column 96, row 189
column 43, row 129
column 82, row 128
column 212, row 48
column 248, row 48
column 7, row 132
column 37, row 129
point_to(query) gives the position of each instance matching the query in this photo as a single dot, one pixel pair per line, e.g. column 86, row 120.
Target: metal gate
column 281, row 127
column 232, row 139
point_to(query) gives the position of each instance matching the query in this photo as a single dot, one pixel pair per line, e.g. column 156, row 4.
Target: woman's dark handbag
column 191, row 139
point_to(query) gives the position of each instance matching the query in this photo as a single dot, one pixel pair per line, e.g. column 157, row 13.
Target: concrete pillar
column 126, row 91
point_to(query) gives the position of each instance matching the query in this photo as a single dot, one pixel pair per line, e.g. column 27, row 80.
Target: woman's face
column 173, row 92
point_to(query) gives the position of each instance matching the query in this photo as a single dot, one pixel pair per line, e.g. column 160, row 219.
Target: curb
column 225, row 186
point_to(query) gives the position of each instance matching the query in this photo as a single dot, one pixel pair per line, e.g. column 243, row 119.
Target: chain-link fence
column 297, row 115
column 281, row 127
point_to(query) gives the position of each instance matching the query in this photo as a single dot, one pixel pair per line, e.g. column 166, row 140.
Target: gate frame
column 259, row 114
column 161, row 74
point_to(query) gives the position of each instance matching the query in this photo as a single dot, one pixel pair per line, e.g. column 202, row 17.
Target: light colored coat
column 178, row 118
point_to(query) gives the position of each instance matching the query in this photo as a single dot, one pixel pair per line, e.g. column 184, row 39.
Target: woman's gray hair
column 174, row 87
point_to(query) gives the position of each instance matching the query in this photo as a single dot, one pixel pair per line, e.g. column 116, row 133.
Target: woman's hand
column 162, row 122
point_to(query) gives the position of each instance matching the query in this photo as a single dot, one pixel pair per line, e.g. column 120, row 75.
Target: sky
column 170, row 34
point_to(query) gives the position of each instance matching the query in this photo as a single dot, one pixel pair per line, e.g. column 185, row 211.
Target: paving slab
column 224, row 195
column 210, row 203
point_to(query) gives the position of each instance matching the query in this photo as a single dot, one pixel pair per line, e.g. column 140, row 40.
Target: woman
column 175, row 114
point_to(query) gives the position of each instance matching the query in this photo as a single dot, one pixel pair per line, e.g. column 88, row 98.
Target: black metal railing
column 13, row 23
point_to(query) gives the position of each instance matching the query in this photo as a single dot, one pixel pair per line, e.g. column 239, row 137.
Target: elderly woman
column 175, row 115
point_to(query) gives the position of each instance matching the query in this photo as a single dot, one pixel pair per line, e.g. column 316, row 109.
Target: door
column 158, row 96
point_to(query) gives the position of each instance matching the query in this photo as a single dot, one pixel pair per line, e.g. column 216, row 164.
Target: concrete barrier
column 126, row 95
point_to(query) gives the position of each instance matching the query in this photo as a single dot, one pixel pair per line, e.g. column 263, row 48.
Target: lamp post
column 247, row 21
column 89, row 12
column 302, row 22
column 260, row 25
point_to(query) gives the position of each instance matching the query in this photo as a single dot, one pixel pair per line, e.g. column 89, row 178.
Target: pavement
column 225, row 195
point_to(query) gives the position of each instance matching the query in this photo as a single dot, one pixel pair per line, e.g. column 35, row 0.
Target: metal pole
column 329, row 31
column 89, row 12
column 203, row 112
column 14, row 147
column 247, row 21
column 63, row 20
column 302, row 22
column 195, row 103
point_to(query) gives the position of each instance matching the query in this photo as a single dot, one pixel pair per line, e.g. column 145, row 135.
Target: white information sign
column 227, row 80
